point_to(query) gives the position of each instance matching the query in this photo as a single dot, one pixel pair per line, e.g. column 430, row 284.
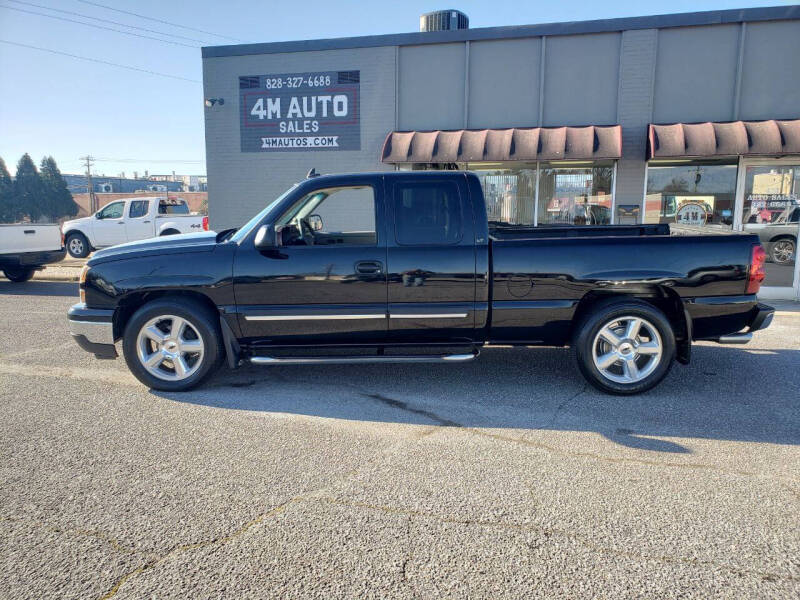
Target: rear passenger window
column 138, row 209
column 427, row 214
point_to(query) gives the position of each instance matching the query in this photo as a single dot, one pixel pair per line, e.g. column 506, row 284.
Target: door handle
column 120, row 222
column 369, row 267
column 146, row 221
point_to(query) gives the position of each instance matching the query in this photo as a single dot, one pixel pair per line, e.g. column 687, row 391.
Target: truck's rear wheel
column 625, row 347
column 77, row 245
column 19, row 274
column 172, row 344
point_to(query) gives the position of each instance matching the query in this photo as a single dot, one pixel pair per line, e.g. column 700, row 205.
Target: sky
column 51, row 104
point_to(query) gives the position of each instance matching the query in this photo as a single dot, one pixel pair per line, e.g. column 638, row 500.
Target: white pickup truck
column 26, row 248
column 129, row 220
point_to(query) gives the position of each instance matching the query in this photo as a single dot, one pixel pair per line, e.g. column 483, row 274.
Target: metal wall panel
column 504, row 83
column 771, row 71
column 241, row 184
column 696, row 74
column 581, row 80
column 635, row 111
column 431, row 87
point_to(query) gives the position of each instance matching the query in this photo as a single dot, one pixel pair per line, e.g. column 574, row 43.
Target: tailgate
column 19, row 239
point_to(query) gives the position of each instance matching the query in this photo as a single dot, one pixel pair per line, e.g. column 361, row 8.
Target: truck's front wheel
column 172, row 344
column 77, row 245
column 625, row 347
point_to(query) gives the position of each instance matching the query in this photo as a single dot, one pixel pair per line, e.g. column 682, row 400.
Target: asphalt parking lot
column 504, row 478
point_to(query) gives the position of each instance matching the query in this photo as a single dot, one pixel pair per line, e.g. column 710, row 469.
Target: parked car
column 26, row 248
column 129, row 220
column 405, row 265
column 780, row 236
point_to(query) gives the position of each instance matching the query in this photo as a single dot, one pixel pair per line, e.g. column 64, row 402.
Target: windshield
column 247, row 227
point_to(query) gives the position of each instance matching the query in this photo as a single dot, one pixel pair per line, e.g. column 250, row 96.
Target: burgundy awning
column 746, row 138
column 529, row 143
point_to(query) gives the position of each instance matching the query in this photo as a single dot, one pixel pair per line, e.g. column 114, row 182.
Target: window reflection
column 576, row 196
column 692, row 195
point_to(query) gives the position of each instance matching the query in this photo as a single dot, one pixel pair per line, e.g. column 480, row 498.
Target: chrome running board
column 354, row 360
column 735, row 338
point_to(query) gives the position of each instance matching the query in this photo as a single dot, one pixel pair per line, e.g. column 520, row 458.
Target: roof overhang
column 733, row 138
column 493, row 145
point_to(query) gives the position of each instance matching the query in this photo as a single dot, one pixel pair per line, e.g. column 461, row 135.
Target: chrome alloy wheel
column 76, row 246
column 783, row 251
column 627, row 349
column 170, row 348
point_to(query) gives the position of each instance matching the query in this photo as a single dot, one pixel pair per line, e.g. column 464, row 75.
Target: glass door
column 768, row 200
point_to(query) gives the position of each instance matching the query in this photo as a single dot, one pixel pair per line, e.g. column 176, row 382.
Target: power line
column 76, row 14
column 103, row 62
column 147, row 160
column 160, row 21
column 147, row 37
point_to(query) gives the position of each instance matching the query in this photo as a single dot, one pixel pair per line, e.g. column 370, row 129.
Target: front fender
column 82, row 228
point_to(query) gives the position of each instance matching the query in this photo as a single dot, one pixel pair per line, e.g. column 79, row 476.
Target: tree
column 29, row 189
column 58, row 199
column 8, row 210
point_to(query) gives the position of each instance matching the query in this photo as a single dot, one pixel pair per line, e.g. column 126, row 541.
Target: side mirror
column 315, row 222
column 267, row 237
column 97, row 215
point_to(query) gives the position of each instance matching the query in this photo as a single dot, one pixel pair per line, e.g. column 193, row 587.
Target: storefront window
column 576, row 195
column 771, row 210
column 691, row 195
column 509, row 191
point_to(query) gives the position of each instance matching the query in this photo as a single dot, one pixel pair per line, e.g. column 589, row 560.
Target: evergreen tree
column 29, row 189
column 7, row 199
column 58, row 198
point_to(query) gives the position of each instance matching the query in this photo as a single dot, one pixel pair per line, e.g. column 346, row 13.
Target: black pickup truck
column 404, row 267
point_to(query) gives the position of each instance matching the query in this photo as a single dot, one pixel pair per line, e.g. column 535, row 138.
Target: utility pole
column 89, row 187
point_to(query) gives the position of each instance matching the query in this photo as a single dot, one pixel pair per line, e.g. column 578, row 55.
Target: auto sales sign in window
column 300, row 111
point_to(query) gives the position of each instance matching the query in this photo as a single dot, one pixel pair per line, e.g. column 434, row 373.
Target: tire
column 19, row 274
column 158, row 318
column 783, row 251
column 77, row 245
column 170, row 232
column 634, row 365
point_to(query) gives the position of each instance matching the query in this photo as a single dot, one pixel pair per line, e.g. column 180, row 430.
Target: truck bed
column 502, row 231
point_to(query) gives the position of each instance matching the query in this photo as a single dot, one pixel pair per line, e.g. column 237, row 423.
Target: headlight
column 82, row 282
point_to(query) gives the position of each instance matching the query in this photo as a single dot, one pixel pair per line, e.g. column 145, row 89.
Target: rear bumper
column 32, row 259
column 762, row 317
column 93, row 330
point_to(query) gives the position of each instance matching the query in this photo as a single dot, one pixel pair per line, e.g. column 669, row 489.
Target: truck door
column 431, row 258
column 109, row 225
column 139, row 225
column 327, row 282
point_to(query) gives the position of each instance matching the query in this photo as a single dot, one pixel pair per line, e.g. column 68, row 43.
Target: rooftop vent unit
column 443, row 20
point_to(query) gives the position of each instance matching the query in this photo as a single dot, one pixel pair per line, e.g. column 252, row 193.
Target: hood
column 66, row 225
column 204, row 241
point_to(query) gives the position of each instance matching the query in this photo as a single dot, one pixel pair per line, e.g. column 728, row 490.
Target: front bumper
column 93, row 330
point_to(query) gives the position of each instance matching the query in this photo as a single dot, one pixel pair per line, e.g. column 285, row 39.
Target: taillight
column 63, row 239
column 756, row 274
column 205, row 223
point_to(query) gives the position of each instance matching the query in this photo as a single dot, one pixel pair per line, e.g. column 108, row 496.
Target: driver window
column 333, row 216
column 112, row 211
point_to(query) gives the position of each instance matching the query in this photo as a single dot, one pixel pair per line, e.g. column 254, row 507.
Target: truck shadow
column 726, row 393
column 38, row 288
